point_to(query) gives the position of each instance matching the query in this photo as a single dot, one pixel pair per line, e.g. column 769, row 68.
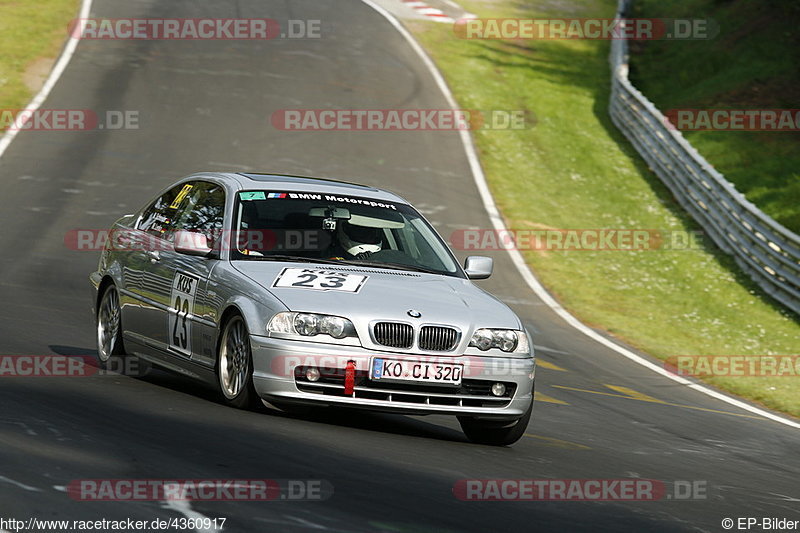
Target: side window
column 203, row 211
column 159, row 217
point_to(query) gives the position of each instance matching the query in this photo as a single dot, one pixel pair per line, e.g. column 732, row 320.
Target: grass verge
column 751, row 64
column 31, row 35
column 574, row 170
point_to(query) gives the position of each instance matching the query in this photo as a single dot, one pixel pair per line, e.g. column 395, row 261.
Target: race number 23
column 184, row 289
column 319, row 280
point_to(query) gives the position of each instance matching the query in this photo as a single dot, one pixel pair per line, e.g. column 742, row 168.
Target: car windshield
column 340, row 229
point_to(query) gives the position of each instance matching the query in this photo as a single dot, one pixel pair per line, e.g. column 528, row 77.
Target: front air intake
column 393, row 334
column 438, row 338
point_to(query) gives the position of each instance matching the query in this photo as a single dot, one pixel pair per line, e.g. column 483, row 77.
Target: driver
column 359, row 242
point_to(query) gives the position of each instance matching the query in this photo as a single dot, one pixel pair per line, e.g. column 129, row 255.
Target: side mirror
column 478, row 267
column 190, row 243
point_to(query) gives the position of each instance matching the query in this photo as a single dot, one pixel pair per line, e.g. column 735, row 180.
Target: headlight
column 311, row 325
column 306, row 324
column 507, row 340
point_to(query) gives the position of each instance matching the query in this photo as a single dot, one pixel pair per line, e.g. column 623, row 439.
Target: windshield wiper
column 398, row 266
column 297, row 258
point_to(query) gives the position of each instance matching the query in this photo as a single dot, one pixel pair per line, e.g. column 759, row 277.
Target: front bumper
column 278, row 374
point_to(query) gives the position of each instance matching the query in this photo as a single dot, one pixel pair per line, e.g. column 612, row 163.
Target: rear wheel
column 235, row 365
column 109, row 326
column 495, row 433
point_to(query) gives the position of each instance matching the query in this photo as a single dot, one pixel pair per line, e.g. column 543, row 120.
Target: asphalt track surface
column 205, row 105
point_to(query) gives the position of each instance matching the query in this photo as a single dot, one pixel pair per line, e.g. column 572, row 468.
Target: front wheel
column 495, row 433
column 235, row 366
column 109, row 326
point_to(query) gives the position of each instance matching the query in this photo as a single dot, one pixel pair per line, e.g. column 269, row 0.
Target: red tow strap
column 349, row 378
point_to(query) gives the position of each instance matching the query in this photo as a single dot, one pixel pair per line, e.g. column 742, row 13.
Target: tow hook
column 349, row 378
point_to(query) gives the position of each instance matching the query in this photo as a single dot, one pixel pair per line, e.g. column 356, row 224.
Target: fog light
column 498, row 389
column 312, row 374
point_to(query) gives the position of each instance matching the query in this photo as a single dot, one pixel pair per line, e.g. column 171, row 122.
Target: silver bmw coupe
column 301, row 291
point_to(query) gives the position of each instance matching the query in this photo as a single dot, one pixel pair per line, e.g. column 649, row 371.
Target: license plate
column 418, row 371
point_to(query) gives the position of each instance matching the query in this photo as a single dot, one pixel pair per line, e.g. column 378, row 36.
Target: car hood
column 390, row 295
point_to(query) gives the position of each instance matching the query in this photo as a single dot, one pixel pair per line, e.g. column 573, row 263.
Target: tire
column 109, row 327
column 495, row 433
column 235, row 366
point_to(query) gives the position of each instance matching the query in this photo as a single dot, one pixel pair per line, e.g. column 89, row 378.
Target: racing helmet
column 359, row 239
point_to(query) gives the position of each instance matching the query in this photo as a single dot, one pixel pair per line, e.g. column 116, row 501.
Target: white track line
column 184, row 507
column 23, row 486
column 58, row 69
column 434, row 14
column 519, row 262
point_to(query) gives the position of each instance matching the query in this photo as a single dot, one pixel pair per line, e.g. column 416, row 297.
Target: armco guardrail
column 768, row 252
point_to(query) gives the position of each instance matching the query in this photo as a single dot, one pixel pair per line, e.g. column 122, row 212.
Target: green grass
column 751, row 64
column 29, row 31
column 575, row 170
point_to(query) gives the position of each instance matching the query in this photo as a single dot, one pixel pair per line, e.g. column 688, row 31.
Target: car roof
column 287, row 182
